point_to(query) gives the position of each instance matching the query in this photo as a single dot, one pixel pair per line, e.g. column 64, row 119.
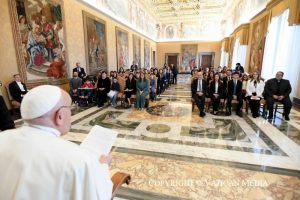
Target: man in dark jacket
column 79, row 70
column 175, row 72
column 235, row 93
column 278, row 89
column 17, row 88
column 6, row 121
column 199, row 90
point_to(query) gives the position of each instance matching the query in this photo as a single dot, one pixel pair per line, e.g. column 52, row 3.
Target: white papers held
column 99, row 140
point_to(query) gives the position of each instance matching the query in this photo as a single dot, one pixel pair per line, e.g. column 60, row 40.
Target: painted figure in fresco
column 24, row 30
column 48, row 33
column 56, row 68
column 35, row 46
column 169, row 32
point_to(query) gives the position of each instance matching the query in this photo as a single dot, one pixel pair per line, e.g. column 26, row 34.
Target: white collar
column 53, row 131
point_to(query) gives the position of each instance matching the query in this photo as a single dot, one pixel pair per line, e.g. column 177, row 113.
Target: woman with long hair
column 216, row 92
column 254, row 93
column 130, row 89
column 142, row 90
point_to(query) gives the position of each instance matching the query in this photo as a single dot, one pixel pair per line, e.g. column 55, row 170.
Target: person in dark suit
column 216, row 92
column 235, row 93
column 130, row 89
column 199, row 90
column 278, row 89
column 134, row 66
column 79, row 70
column 175, row 72
column 17, row 88
column 6, row 121
column 239, row 68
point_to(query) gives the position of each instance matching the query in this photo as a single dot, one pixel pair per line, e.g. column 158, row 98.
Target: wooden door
column 206, row 61
column 172, row 60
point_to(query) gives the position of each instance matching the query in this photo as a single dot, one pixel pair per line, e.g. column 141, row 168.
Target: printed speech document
column 99, row 140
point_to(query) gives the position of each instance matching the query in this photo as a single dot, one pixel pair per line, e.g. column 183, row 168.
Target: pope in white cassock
column 35, row 163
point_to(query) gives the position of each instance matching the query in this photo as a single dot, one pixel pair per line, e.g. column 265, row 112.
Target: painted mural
column 40, row 40
column 259, row 31
column 122, row 48
column 146, row 54
column 137, row 50
column 130, row 11
column 189, row 57
column 95, row 43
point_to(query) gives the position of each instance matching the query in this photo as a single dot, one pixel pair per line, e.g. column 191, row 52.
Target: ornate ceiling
column 184, row 10
column 181, row 20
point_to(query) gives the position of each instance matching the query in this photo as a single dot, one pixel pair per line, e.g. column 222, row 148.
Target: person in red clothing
column 87, row 90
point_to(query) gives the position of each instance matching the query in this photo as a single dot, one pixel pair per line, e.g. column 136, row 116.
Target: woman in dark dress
column 103, row 87
column 130, row 88
column 216, row 92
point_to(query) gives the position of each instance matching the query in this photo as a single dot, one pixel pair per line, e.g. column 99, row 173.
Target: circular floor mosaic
column 168, row 111
column 158, row 128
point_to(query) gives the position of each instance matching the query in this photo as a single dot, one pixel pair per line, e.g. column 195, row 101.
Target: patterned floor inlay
column 172, row 153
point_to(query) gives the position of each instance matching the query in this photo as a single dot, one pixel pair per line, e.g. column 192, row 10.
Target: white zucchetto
column 39, row 101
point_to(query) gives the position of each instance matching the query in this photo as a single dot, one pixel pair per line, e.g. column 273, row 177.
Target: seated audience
column 254, row 90
column 86, row 90
column 278, row 90
column 130, row 89
column 41, row 164
column 6, row 121
column 103, row 87
column 244, row 85
column 142, row 91
column 199, row 90
column 152, row 87
column 216, row 91
column 235, row 93
column 75, row 83
column 17, row 88
column 115, row 89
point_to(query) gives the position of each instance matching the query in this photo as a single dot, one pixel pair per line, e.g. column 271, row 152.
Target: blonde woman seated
column 142, row 91
column 255, row 88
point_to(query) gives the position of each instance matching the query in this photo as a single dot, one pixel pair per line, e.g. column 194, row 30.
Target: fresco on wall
column 146, row 54
column 259, row 31
column 39, row 39
column 95, row 44
column 189, row 57
column 137, row 50
column 122, row 48
column 132, row 12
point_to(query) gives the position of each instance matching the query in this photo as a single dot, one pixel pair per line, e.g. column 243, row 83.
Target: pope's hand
column 105, row 159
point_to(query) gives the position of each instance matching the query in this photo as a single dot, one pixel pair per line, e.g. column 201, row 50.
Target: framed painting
column 39, row 39
column 189, row 57
column 259, row 30
column 122, row 48
column 137, row 50
column 95, row 43
column 146, row 54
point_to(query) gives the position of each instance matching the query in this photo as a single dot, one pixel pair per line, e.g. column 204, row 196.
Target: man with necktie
column 199, row 90
column 235, row 93
column 278, row 89
column 79, row 70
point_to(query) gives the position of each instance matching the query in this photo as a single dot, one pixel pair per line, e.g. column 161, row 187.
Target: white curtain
column 282, row 51
column 224, row 58
column 239, row 53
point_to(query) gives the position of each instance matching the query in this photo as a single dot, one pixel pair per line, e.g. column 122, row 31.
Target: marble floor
column 172, row 153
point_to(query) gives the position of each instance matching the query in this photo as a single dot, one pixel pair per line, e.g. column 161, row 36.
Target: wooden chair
column 14, row 104
column 118, row 179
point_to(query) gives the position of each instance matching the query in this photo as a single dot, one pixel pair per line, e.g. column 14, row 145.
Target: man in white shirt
column 36, row 164
column 17, row 88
